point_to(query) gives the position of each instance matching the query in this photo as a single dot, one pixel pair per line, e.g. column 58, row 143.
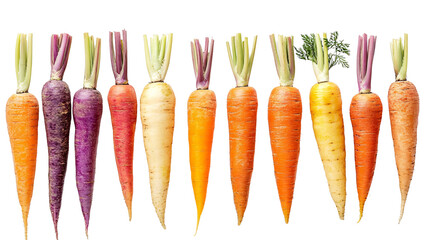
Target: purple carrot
column 87, row 112
column 56, row 100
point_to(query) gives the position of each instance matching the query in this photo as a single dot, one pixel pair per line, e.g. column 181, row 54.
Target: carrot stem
column 400, row 57
column 240, row 59
column 202, row 61
column 59, row 53
column 23, row 61
column 119, row 57
column 158, row 59
column 93, row 57
column 284, row 59
column 365, row 56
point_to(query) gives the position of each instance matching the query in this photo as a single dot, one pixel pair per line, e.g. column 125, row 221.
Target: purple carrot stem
column 202, row 61
column 60, row 57
column 119, row 57
column 209, row 63
column 365, row 56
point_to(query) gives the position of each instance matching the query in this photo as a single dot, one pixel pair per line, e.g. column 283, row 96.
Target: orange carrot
column 201, row 118
column 123, row 107
column 366, row 116
column 242, row 113
column 404, row 112
column 284, row 117
column 22, row 124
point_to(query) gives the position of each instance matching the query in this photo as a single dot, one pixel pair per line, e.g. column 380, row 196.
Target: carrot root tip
column 361, row 211
column 402, row 210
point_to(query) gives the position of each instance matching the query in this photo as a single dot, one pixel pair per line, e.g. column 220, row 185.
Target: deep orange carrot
column 123, row 107
column 201, row 119
column 366, row 116
column 284, row 117
column 242, row 114
column 403, row 112
column 22, row 123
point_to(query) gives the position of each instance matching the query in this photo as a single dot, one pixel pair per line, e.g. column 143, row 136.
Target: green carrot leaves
column 241, row 61
column 315, row 49
column 23, row 61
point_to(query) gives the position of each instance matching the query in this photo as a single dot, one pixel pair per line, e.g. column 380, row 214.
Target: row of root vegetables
column 157, row 113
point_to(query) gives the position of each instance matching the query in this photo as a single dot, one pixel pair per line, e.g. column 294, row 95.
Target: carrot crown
column 400, row 57
column 59, row 52
column 284, row 59
column 364, row 59
column 241, row 61
column 119, row 59
column 158, row 59
column 202, row 61
column 316, row 50
column 93, row 58
column 23, row 61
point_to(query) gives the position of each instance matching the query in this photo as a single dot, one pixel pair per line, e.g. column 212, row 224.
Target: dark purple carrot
column 87, row 113
column 56, row 100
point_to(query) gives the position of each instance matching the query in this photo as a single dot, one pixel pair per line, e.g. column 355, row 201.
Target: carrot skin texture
column 22, row 112
column 123, row 107
column 366, row 116
column 157, row 106
column 403, row 112
column 284, row 117
column 87, row 113
column 242, row 114
column 201, row 121
column 56, row 101
column 327, row 121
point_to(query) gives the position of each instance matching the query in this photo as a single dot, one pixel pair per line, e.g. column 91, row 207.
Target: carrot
column 242, row 113
column 201, row 118
column 326, row 111
column 22, row 125
column 123, row 107
column 403, row 112
column 284, row 117
column 87, row 113
column 157, row 106
column 366, row 116
column 56, row 101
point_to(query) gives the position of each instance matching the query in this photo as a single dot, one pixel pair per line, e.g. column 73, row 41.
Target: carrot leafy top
column 59, row 52
column 23, row 61
column 241, row 61
column 284, row 59
column 158, row 59
column 202, row 61
column 364, row 63
column 316, row 50
column 400, row 57
column 93, row 58
column 119, row 57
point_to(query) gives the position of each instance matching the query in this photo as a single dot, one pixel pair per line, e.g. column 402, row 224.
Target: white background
column 313, row 214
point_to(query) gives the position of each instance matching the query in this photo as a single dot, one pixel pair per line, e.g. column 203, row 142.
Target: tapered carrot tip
column 198, row 222
column 55, row 224
column 25, row 218
column 240, row 219
column 129, row 209
column 286, row 217
column 87, row 233
column 402, row 210
column 361, row 210
column 341, row 213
